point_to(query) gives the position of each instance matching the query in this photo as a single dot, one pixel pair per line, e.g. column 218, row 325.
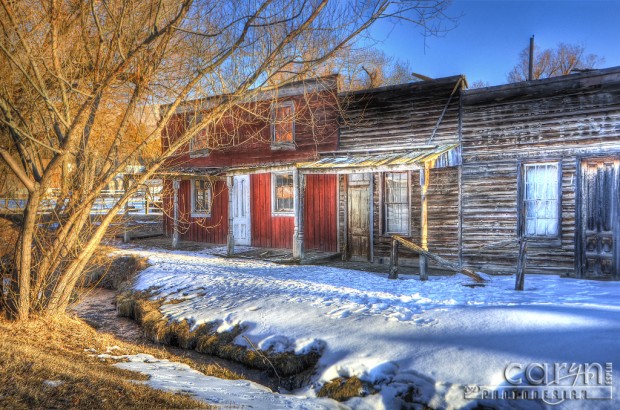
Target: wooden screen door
column 600, row 218
column 359, row 195
column 241, row 210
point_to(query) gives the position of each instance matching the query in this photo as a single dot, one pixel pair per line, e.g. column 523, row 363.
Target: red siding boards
column 213, row 229
column 267, row 230
column 316, row 130
column 320, row 219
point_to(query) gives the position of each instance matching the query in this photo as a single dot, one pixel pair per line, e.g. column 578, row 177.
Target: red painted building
column 237, row 181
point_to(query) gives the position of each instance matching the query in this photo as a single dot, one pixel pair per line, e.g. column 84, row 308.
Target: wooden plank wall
column 443, row 219
column 400, row 116
column 551, row 120
column 320, row 219
column 268, row 231
column 248, row 142
column 213, row 229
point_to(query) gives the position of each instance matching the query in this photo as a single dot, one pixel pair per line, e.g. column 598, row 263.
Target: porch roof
column 438, row 156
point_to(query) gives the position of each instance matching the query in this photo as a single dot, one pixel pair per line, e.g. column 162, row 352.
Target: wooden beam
column 439, row 260
column 299, row 193
column 424, row 181
column 175, row 213
column 520, row 279
column 230, row 238
column 394, row 260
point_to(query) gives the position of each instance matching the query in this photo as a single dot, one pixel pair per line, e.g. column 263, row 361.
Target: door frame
column 247, row 202
column 579, row 231
column 347, row 219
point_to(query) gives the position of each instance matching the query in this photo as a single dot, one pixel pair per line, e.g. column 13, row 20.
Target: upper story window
column 541, row 200
column 282, row 188
column 199, row 145
column 396, row 203
column 201, row 198
column 283, row 124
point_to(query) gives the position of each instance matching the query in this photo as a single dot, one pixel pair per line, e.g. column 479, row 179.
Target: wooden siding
column 213, row 229
column 320, row 219
column 550, row 120
column 248, row 141
column 443, row 228
column 267, row 230
column 400, row 116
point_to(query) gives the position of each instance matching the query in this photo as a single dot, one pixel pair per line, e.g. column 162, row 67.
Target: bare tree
column 553, row 62
column 77, row 75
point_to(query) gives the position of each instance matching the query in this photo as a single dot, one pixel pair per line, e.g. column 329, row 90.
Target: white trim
column 384, row 214
column 193, row 212
column 558, row 205
column 273, row 194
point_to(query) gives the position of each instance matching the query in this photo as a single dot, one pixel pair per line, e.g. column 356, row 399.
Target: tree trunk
column 20, row 305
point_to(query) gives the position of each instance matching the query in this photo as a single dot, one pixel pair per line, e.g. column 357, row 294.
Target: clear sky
column 489, row 35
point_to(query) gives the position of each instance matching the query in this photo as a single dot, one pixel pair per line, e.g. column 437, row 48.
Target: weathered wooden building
column 237, row 182
column 466, row 174
column 397, row 165
column 541, row 161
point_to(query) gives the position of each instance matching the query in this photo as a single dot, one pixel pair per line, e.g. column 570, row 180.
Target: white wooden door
column 241, row 210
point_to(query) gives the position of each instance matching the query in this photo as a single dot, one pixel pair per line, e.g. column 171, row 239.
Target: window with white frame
column 396, row 203
column 541, row 200
column 201, row 197
column 282, row 187
column 283, row 124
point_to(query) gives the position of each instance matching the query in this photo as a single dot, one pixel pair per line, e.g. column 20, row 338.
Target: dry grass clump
column 343, row 388
column 51, row 364
column 205, row 338
column 111, row 272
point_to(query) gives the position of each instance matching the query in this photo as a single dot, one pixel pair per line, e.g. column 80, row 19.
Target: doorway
column 599, row 255
column 241, row 210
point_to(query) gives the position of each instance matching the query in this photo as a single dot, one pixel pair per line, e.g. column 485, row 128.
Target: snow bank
column 438, row 335
column 180, row 378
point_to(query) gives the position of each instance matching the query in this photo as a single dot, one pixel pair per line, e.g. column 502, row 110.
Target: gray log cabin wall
column 404, row 117
column 563, row 120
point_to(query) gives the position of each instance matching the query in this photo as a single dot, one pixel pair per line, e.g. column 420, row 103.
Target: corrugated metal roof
column 412, row 159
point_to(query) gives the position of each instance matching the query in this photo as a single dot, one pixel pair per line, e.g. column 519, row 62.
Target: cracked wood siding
column 443, row 215
column 400, row 117
column 551, row 120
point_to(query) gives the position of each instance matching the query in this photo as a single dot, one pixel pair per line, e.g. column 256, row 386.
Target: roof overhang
column 433, row 156
column 342, row 163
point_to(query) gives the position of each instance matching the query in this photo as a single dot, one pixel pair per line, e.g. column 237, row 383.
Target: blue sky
column 490, row 34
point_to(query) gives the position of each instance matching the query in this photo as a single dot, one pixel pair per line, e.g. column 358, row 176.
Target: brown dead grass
column 56, row 350
column 112, row 272
column 342, row 388
column 205, row 338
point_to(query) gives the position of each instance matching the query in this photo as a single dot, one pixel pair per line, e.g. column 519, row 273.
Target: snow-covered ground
column 438, row 335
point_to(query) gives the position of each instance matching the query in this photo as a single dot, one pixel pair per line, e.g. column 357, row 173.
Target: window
column 199, row 145
column 396, row 203
column 283, row 124
column 541, row 200
column 201, row 198
column 282, row 193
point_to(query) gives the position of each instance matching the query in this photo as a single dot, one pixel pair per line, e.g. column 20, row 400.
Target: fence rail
column 398, row 241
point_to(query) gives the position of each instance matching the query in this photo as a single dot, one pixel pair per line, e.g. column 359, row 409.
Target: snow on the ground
column 180, row 378
column 438, row 335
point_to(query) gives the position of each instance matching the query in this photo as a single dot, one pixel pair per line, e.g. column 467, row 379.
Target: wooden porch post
column 424, row 181
column 230, row 239
column 299, row 182
column 175, row 213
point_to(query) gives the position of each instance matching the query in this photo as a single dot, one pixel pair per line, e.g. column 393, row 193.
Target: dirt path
column 98, row 310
